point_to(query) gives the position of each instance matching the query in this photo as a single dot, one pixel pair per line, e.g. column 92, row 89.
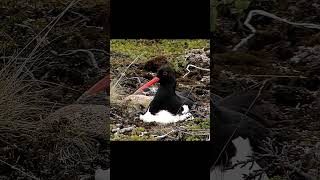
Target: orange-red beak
column 148, row 84
column 100, row 86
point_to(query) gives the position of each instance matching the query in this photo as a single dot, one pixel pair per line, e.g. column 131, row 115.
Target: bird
column 97, row 94
column 168, row 105
column 238, row 132
column 89, row 118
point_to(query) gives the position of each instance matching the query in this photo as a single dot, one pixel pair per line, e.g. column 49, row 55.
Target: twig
column 137, row 78
column 267, row 14
column 190, row 65
column 123, row 130
column 235, row 130
column 124, row 73
column 84, row 18
column 165, row 135
column 48, row 28
column 277, row 76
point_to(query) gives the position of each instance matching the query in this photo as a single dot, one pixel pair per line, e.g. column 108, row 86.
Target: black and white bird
column 238, row 133
column 168, row 105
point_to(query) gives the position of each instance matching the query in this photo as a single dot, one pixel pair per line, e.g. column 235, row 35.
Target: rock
column 198, row 57
column 307, row 55
column 205, row 79
column 102, row 174
column 137, row 102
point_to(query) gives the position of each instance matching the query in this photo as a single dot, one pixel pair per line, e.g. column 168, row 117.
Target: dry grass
column 58, row 142
column 20, row 106
column 115, row 88
column 116, row 93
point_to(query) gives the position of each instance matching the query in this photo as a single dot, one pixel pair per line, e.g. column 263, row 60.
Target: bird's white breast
column 166, row 117
column 102, row 174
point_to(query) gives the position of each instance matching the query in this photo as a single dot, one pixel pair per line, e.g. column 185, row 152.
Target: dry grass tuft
column 21, row 106
column 115, row 93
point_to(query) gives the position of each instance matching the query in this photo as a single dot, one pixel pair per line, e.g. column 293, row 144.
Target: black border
column 164, row 19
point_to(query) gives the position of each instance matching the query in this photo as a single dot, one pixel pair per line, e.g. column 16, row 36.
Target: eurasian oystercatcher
column 97, row 94
column 238, row 133
column 167, row 105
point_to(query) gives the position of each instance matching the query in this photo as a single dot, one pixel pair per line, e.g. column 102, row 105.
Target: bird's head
column 166, row 76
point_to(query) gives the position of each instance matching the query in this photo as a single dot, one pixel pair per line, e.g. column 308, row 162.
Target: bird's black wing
column 186, row 98
column 244, row 102
column 230, row 119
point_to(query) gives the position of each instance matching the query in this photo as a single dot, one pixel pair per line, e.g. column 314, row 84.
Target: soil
column 64, row 65
column 289, row 57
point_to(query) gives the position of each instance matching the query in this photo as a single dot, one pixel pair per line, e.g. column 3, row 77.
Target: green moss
column 193, row 138
column 173, row 49
column 278, row 178
column 136, row 138
column 138, row 131
column 199, row 123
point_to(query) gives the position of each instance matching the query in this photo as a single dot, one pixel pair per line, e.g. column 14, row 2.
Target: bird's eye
column 165, row 73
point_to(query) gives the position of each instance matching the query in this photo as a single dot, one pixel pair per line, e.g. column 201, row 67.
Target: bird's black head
column 167, row 76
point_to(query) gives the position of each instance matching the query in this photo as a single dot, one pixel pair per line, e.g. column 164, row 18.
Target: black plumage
column 231, row 117
column 166, row 97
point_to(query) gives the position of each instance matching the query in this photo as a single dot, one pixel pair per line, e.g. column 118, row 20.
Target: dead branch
column 190, row 65
column 123, row 130
column 274, row 76
column 267, row 14
column 15, row 168
column 165, row 135
column 124, row 73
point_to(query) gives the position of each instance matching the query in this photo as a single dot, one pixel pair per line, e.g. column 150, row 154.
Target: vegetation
column 38, row 76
